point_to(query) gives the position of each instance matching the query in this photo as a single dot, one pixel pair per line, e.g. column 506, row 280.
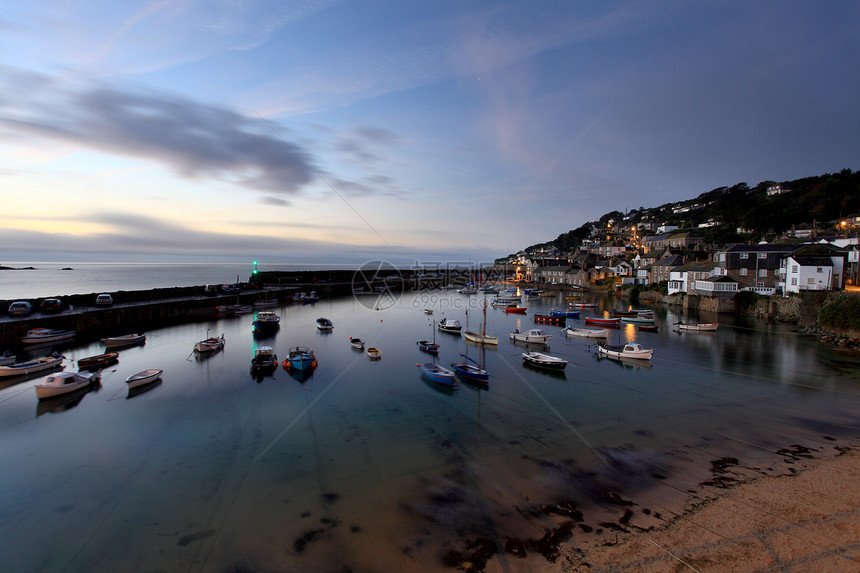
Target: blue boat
column 300, row 358
column 470, row 371
column 428, row 347
column 438, row 374
column 568, row 313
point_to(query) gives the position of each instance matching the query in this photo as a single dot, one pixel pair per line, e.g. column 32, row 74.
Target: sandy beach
column 809, row 521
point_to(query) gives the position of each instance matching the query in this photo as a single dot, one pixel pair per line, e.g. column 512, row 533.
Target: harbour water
column 365, row 466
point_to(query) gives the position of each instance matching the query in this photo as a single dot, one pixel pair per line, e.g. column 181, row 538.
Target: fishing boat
column 98, row 361
column 544, row 360
column 438, row 374
column 698, row 326
column 569, row 313
column 637, row 320
column 516, row 309
column 124, row 340
column 266, row 320
column 374, row 353
column 300, row 358
column 586, row 332
column 65, row 382
column 7, row 358
column 481, row 337
column 209, row 345
column 546, row 319
column 602, row 321
column 264, row 361
column 534, row 336
column 428, row 347
column 144, row 377
column 629, row 350
column 42, row 335
column 450, row 325
column 356, row 343
column 324, row 324
column 470, row 370
column 30, row 366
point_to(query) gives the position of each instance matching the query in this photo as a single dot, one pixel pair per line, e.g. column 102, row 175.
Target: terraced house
column 755, row 266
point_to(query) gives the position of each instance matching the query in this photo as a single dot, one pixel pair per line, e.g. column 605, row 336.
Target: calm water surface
column 364, row 466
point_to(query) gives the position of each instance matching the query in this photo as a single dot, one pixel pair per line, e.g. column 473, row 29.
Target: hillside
column 819, row 202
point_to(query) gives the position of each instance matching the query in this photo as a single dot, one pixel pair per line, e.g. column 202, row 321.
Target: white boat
column 535, row 335
column 586, row 332
column 356, row 343
column 7, row 358
column 124, row 340
column 374, row 352
column 22, row 368
column 213, row 344
column 699, row 326
column 65, row 382
column 480, row 338
column 40, row 335
column 144, row 377
column 629, row 350
column 325, row 324
column 544, row 360
column 451, row 325
column 240, row 308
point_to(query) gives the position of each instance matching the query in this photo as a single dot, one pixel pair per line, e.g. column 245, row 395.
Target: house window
column 794, row 281
column 810, row 281
column 745, row 255
column 743, row 272
column 794, row 268
column 762, row 272
column 819, row 270
column 762, row 255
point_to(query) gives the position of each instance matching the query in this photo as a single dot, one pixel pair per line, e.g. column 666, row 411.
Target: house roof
column 720, row 279
column 812, row 261
column 698, row 266
column 763, row 248
column 673, row 261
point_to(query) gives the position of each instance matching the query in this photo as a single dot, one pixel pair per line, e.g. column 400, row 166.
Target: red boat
column 602, row 321
column 516, row 309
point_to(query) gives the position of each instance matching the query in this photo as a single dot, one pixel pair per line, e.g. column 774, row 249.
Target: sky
column 413, row 132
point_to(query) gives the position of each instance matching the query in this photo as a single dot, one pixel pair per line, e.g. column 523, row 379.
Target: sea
column 364, row 465
column 27, row 280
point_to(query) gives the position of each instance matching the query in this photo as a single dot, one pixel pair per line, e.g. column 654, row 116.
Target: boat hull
column 43, row 335
column 23, row 368
column 438, row 374
column 700, row 327
column 471, row 372
column 603, row 321
column 480, row 338
column 123, row 341
column 587, row 332
column 544, row 361
column 54, row 386
column 144, row 377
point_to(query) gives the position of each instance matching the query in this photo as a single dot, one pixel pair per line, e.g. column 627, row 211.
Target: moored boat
column 374, row 352
column 470, row 370
column 144, row 377
column 602, row 321
column 264, row 361
column 544, row 360
column 300, row 358
column 428, row 347
column 266, row 320
column 42, row 335
column 629, row 350
column 480, row 338
column 65, row 382
column 438, row 374
column 647, row 327
column 356, row 343
column 98, row 361
column 30, row 366
column 124, row 340
column 7, row 358
column 586, row 332
column 569, row 313
column 324, row 324
column 584, row 304
column 545, row 319
column 698, row 326
column 637, row 320
column 516, row 309
column 450, row 325
column 209, row 345
column 535, row 336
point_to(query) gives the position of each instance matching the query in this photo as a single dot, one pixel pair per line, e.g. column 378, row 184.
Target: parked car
column 51, row 305
column 104, row 299
column 20, row 308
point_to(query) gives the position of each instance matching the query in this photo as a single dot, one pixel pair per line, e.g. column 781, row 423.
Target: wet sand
column 806, row 521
